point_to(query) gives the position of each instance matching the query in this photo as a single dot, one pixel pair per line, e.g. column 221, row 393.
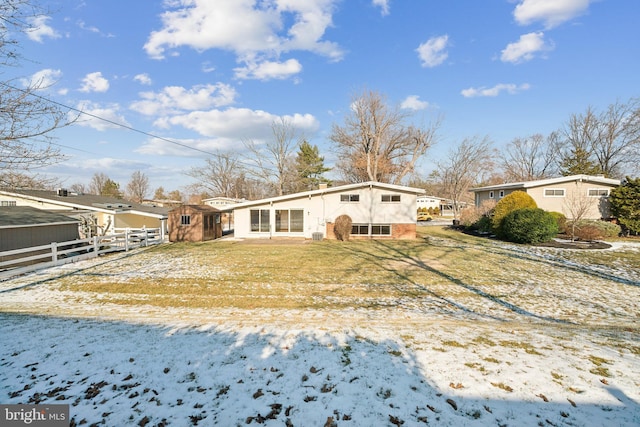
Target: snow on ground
column 146, row 366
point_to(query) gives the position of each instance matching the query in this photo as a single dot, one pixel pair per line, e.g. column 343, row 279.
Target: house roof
column 18, row 216
column 90, row 202
column 550, row 181
column 328, row 190
column 200, row 208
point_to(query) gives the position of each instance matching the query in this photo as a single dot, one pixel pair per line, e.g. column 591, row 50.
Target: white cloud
column 250, row 31
column 269, row 70
column 162, row 147
column 40, row 29
column 42, row 79
column 413, row 102
column 432, row 52
column 551, row 12
column 495, row 91
column 525, row 48
column 383, row 4
column 240, row 123
column 94, row 82
column 143, row 79
column 177, row 99
column 96, row 112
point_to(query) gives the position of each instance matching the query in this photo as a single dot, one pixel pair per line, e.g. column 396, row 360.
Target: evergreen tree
column 577, row 162
column 310, row 167
column 625, row 204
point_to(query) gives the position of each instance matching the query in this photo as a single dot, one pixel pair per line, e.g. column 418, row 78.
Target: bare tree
column 463, row 168
column 617, row 148
column 138, row 187
column 576, row 141
column 27, row 120
column 577, row 205
column 219, row 176
column 375, row 144
column 273, row 160
column 530, row 158
column 102, row 185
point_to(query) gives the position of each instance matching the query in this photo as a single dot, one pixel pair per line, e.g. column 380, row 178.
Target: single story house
column 444, row 205
column 377, row 210
column 194, row 223
column 109, row 213
column 25, row 227
column 565, row 194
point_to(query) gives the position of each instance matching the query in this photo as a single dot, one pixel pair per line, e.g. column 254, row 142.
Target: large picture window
column 289, row 220
column 260, row 220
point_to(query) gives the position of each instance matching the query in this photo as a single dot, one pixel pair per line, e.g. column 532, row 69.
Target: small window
column 598, row 192
column 185, row 219
column 501, row 194
column 8, row 203
column 491, row 194
column 391, row 198
column 350, row 198
column 376, row 229
column 554, row 192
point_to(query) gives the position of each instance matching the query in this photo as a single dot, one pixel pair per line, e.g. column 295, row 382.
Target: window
column 185, row 219
column 391, row 198
column 376, row 229
column 491, row 194
column 353, row 198
column 8, row 203
column 554, row 192
column 289, row 220
column 501, row 194
column 259, row 220
column 598, row 192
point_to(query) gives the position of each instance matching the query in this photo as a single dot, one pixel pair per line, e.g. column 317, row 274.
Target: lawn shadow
column 119, row 373
column 394, row 253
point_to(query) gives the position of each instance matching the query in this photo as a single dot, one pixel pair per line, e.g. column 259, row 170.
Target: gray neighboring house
column 110, row 213
column 24, row 227
column 558, row 194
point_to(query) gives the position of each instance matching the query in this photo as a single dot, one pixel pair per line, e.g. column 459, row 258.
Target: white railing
column 20, row 261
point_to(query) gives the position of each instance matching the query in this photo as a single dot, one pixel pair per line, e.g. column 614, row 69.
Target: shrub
column 625, row 204
column 594, row 229
column 342, row 227
column 512, row 202
column 561, row 220
column 529, row 225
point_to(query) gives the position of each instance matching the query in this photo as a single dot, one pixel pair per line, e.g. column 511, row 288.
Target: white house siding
column 321, row 208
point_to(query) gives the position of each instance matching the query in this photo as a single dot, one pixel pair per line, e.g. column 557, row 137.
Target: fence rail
column 20, row 261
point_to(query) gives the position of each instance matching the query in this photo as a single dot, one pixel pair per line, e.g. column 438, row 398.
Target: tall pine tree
column 625, row 204
column 310, row 167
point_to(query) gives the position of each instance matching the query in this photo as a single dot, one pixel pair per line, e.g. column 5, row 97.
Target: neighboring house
column 567, row 194
column 444, row 205
column 194, row 223
column 110, row 213
column 376, row 209
column 224, row 204
column 25, row 227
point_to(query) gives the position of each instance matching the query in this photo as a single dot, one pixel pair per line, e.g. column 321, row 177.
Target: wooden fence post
column 95, row 245
column 126, row 240
column 54, row 252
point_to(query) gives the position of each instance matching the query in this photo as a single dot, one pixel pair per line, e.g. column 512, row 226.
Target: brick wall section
column 398, row 231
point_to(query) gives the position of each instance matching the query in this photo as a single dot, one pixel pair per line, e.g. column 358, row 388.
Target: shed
column 194, row 223
column 24, row 227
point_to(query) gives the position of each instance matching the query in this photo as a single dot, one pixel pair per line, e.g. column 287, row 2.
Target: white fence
column 20, row 261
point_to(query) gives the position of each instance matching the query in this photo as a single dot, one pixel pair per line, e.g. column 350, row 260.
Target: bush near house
column 512, row 202
column 529, row 225
column 561, row 220
column 342, row 227
column 595, row 230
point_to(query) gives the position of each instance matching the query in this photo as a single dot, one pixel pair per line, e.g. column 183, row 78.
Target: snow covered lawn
column 460, row 352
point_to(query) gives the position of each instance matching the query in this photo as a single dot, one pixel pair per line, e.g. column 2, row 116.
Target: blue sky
column 211, row 74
